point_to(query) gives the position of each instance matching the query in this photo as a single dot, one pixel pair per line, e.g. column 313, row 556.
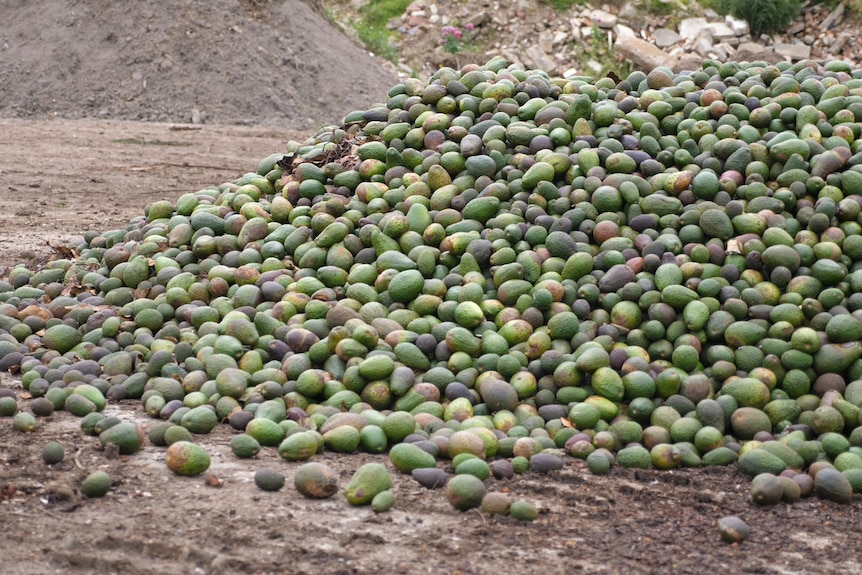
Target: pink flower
column 457, row 33
column 469, row 26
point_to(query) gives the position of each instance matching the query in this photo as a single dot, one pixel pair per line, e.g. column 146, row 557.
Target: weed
column 763, row 16
column 564, row 5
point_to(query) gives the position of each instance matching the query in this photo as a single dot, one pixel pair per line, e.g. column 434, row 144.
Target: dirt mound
column 274, row 62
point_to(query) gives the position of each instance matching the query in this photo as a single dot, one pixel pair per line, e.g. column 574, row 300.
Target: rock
column 703, row 43
column 795, row 28
column 751, row 52
column 575, row 24
column 690, row 28
column 632, row 15
column 688, row 62
column 603, row 19
column 703, row 47
column 623, row 30
column 834, row 18
column 840, row 43
column 664, row 37
column 539, row 59
column 720, row 30
column 559, row 38
column 722, row 51
column 793, row 52
column 477, row 19
column 643, row 54
column 752, row 47
column 739, row 27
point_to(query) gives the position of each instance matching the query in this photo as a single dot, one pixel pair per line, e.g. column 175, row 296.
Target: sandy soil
column 59, row 178
column 276, row 62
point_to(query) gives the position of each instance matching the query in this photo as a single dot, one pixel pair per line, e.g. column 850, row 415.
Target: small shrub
column 763, row 16
column 456, row 40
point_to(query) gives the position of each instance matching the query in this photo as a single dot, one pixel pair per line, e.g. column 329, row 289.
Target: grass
column 563, row 5
column 371, row 26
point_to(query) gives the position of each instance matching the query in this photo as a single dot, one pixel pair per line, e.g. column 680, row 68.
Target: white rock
column 752, row 47
column 689, row 28
column 721, row 52
column 594, row 66
column 559, row 38
column 571, row 73
column 642, row 54
column 621, row 30
column 665, row 37
column 739, row 27
column 703, row 46
column 793, row 51
column 603, row 19
column 539, row 59
column 720, row 30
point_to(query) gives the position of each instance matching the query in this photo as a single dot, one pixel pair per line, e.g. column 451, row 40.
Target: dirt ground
column 60, row 178
column 278, row 62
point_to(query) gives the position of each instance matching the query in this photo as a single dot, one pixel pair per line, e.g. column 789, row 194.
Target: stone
column 793, row 52
column 632, row 15
column 689, row 28
column 571, row 73
column 834, row 18
column 703, row 46
column 477, row 19
column 623, row 30
column 795, row 28
column 840, row 43
column 739, row 27
column 642, row 54
column 752, row 47
column 546, row 44
column 664, row 37
column 603, row 19
column 539, row 59
column 594, row 66
column 722, row 51
column 720, row 30
column 688, row 63
column 559, row 38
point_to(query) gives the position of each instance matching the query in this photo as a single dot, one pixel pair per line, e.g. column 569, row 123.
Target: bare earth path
column 60, row 178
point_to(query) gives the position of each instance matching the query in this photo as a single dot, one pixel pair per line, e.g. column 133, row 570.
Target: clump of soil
column 274, row 62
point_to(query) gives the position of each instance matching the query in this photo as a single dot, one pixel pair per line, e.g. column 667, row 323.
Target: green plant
column 763, row 16
column 371, row 27
column 563, row 5
column 456, row 40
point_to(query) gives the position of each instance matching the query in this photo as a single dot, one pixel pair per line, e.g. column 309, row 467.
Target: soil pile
column 274, row 62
